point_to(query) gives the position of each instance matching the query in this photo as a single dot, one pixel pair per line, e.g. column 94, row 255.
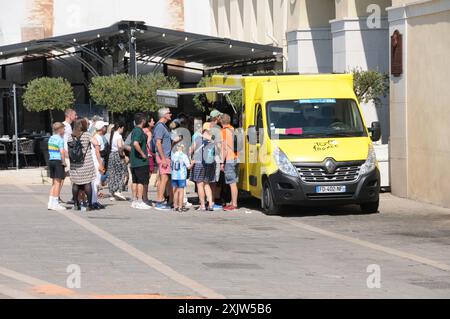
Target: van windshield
column 314, row 118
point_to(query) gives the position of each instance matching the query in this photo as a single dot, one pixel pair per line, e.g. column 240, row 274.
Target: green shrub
column 370, row 85
column 124, row 93
column 46, row 93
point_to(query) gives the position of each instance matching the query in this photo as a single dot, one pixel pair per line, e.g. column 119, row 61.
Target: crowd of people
column 94, row 155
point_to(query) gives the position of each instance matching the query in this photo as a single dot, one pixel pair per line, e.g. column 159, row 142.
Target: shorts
column 231, row 171
column 161, row 170
column 56, row 169
column 140, row 175
column 203, row 173
column 178, row 183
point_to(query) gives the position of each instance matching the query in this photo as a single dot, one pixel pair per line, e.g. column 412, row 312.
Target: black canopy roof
column 152, row 41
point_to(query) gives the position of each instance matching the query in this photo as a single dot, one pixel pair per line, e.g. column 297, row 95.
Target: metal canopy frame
column 13, row 92
column 149, row 44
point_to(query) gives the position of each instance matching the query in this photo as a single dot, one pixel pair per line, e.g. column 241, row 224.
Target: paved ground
column 321, row 253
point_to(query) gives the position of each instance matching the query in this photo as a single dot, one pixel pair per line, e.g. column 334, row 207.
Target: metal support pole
column 15, row 126
column 132, row 66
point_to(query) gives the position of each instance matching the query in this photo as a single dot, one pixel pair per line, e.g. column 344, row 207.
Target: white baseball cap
column 100, row 124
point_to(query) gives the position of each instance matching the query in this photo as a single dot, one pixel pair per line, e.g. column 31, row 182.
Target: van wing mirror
column 375, row 131
column 251, row 135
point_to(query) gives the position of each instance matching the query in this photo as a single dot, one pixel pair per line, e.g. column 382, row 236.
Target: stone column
column 309, row 36
column 398, row 143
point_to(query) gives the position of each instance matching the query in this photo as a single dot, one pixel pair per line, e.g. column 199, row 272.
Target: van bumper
column 288, row 190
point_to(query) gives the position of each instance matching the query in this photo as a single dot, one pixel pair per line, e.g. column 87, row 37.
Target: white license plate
column 330, row 189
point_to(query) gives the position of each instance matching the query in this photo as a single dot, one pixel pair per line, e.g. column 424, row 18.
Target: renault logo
column 330, row 166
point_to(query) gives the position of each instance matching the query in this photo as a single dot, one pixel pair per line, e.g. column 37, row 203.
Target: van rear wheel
column 370, row 208
column 267, row 202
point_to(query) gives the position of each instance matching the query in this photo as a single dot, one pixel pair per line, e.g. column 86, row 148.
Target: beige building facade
column 419, row 99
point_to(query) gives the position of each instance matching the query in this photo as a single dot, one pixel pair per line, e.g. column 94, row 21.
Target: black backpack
column 237, row 141
column 75, row 148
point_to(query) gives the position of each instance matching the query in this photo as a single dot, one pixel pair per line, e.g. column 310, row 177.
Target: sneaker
column 141, row 205
column 201, row 209
column 56, row 207
column 133, row 204
column 184, row 209
column 217, row 207
column 161, row 206
column 98, row 206
column 149, row 203
column 187, row 204
column 230, row 208
column 119, row 196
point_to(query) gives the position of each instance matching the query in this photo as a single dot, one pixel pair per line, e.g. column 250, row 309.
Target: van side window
column 259, row 124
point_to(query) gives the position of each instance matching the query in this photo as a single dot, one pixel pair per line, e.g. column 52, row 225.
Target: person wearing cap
column 203, row 172
column 92, row 122
column 99, row 146
column 56, row 165
column 216, row 133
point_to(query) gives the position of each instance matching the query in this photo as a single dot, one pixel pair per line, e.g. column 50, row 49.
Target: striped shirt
column 180, row 163
column 55, row 145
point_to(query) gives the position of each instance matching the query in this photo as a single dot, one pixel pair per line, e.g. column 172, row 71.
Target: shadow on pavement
column 299, row 211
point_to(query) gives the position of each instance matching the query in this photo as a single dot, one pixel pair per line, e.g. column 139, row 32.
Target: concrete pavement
column 309, row 253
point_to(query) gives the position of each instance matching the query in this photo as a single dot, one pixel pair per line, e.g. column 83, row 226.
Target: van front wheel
column 268, row 204
column 370, row 208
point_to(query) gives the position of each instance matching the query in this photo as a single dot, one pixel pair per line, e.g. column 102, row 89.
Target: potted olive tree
column 123, row 93
column 48, row 94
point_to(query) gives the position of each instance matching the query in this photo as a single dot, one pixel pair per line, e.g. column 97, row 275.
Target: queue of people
column 95, row 155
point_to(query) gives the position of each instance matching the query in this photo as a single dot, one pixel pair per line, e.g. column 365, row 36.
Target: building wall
column 34, row 19
column 428, row 108
column 309, row 39
column 420, row 141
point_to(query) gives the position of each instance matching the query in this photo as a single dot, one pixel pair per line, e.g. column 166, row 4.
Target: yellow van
column 306, row 142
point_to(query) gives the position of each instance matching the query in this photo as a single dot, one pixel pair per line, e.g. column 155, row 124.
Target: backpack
column 237, row 141
column 208, row 151
column 107, row 149
column 75, row 150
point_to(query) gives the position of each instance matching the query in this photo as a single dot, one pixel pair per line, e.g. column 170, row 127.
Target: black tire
column 267, row 202
column 370, row 208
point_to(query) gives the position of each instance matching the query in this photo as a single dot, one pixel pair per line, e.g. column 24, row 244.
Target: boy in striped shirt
column 56, row 163
column 180, row 164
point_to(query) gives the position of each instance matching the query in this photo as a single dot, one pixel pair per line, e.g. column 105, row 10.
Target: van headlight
column 370, row 163
column 283, row 163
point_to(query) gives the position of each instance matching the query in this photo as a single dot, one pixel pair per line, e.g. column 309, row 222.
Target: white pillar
column 398, row 143
column 310, row 51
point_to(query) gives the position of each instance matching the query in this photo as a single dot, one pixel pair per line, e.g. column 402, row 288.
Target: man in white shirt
column 70, row 117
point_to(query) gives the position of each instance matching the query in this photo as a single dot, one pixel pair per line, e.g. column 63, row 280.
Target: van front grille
column 310, row 174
